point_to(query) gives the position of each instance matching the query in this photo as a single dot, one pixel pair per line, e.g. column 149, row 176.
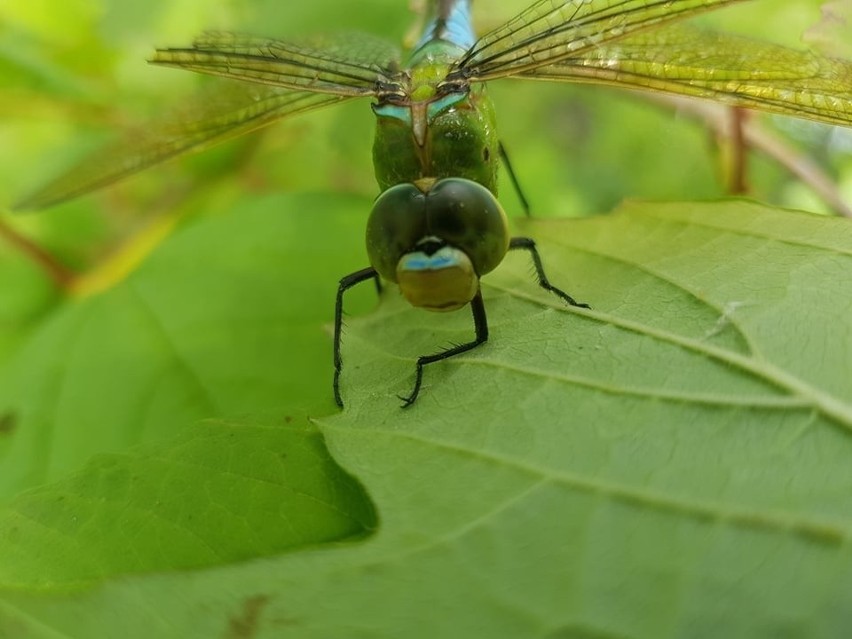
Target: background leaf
column 214, row 326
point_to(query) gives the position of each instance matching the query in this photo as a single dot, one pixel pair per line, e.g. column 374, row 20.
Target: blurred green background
column 73, row 73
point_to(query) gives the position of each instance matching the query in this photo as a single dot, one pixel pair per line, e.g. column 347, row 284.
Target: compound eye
column 466, row 215
column 435, row 238
column 396, row 224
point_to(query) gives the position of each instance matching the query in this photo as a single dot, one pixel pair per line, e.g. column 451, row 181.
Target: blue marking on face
column 395, row 111
column 403, row 113
column 442, row 104
column 423, row 262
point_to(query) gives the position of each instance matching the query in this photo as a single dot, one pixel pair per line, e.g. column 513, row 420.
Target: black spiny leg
column 345, row 284
column 529, row 245
column 480, row 324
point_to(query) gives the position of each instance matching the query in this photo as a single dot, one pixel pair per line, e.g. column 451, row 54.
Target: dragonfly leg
column 480, row 324
column 528, row 244
column 514, row 179
column 346, row 283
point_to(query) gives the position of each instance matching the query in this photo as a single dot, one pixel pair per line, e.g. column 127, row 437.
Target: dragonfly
column 437, row 227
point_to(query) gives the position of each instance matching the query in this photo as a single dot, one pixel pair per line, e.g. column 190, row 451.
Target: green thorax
column 427, row 132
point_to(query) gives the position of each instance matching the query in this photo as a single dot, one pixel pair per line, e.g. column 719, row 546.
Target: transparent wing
column 742, row 72
column 350, row 65
column 293, row 78
column 222, row 112
column 551, row 30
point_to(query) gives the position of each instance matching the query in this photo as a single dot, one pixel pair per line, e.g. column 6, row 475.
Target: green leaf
column 219, row 493
column 227, row 319
column 673, row 462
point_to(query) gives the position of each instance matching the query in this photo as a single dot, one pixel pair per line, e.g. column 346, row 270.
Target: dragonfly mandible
column 436, row 226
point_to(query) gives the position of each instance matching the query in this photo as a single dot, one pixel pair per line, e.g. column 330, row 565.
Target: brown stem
column 738, row 184
column 61, row 275
column 759, row 138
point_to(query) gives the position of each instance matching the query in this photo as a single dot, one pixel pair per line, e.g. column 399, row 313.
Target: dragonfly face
column 437, row 226
column 436, row 238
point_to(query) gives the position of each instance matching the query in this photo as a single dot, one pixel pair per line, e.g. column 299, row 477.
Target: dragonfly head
column 436, row 238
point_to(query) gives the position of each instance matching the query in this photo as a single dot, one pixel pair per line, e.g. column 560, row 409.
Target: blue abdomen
column 450, row 22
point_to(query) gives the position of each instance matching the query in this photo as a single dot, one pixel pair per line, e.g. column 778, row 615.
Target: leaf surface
column 673, row 462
